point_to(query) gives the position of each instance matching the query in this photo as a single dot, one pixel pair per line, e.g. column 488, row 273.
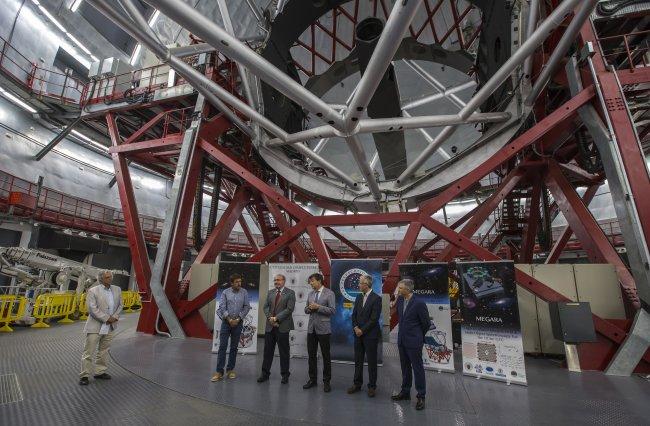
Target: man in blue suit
column 414, row 322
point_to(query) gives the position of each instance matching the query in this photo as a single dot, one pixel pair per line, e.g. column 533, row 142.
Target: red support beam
column 277, row 245
column 591, row 236
column 321, row 252
column 561, row 115
column 145, row 128
column 509, row 183
column 565, row 236
column 137, row 245
column 149, row 146
column 249, row 235
column 345, row 241
column 296, row 248
column 420, row 252
column 530, row 231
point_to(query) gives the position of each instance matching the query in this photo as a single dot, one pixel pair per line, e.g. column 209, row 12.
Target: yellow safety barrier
column 12, row 307
column 131, row 301
column 83, row 308
column 53, row 305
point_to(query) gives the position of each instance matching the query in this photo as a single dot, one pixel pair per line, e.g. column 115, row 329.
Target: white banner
column 296, row 279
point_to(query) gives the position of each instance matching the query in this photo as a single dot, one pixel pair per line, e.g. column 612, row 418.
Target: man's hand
column 111, row 320
column 313, row 306
column 358, row 331
column 233, row 322
column 274, row 321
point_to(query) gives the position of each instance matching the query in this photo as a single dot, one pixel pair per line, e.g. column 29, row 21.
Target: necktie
column 316, row 298
column 277, row 299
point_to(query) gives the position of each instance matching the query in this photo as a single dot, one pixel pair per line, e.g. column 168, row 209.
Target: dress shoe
column 326, row 387
column 262, row 379
column 371, row 392
column 216, row 377
column 84, row 381
column 402, row 396
column 309, row 384
column 420, row 404
column 285, row 380
column 103, row 376
column 354, row 389
column 231, row 374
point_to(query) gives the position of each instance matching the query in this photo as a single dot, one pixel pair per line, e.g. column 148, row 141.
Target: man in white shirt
column 104, row 303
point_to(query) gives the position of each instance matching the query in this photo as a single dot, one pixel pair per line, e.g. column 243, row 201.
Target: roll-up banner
column 345, row 285
column 431, row 282
column 491, row 332
column 296, row 275
column 250, row 273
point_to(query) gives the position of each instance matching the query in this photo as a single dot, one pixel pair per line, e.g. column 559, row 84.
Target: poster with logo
column 345, row 285
column 491, row 332
column 296, row 275
column 431, row 282
column 250, row 273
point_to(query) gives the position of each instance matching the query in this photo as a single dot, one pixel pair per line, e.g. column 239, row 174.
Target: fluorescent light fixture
column 154, row 18
column 89, row 140
column 16, row 100
column 52, row 18
column 78, row 43
column 75, row 5
column 136, row 54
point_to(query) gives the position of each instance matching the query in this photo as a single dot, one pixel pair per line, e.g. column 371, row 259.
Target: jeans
column 226, row 332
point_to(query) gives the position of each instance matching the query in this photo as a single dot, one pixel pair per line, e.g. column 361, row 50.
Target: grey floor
column 162, row 381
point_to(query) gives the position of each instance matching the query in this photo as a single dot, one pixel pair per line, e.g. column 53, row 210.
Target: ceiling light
column 78, row 43
column 75, row 5
column 136, row 54
column 16, row 100
column 52, row 18
column 154, row 18
column 89, row 140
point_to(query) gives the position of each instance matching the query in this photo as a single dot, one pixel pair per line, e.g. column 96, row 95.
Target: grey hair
column 101, row 273
column 367, row 278
column 280, row 275
column 408, row 283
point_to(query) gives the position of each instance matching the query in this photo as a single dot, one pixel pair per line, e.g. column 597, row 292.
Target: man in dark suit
column 414, row 322
column 278, row 310
column 365, row 323
column 321, row 305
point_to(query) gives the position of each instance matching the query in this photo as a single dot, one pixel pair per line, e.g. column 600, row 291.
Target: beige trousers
column 99, row 343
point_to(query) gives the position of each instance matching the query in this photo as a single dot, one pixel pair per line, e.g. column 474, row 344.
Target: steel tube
column 531, row 22
column 202, row 26
column 434, row 82
column 391, row 37
column 560, row 50
column 360, row 158
column 526, row 49
column 132, row 10
column 345, row 177
column 397, row 124
column 445, row 93
column 58, row 138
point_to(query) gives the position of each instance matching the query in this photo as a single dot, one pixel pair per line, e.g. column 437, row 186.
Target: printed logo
column 349, row 283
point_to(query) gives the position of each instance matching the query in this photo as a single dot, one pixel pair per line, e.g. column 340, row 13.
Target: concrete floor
column 161, row 381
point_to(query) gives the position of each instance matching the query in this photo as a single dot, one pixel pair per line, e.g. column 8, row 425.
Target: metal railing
column 630, row 53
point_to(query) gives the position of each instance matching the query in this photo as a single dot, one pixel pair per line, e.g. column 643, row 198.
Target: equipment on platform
column 572, row 323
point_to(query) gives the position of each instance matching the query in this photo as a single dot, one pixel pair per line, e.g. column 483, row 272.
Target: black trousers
column 271, row 338
column 313, row 340
column 365, row 348
column 411, row 363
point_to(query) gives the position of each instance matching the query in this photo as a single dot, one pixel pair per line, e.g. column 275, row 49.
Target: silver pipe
column 197, row 49
column 526, row 49
column 560, row 50
column 391, row 37
column 256, row 11
column 203, row 27
column 396, row 124
column 243, row 72
column 531, row 22
column 428, row 137
column 212, row 91
column 132, row 10
column 362, row 162
column 434, row 82
column 446, row 93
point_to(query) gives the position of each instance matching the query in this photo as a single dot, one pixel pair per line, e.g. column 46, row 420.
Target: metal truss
column 542, row 157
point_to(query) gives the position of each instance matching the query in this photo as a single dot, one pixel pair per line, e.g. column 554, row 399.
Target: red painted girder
column 566, row 111
column 242, row 172
column 145, row 128
column 565, row 236
column 296, row 248
column 433, row 242
column 278, row 244
column 591, row 236
column 149, row 146
column 636, row 76
column 321, row 252
column 345, row 241
column 509, row 183
column 135, row 237
column 362, row 219
column 249, row 235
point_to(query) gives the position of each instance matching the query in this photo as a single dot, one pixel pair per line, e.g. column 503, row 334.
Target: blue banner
column 345, row 285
